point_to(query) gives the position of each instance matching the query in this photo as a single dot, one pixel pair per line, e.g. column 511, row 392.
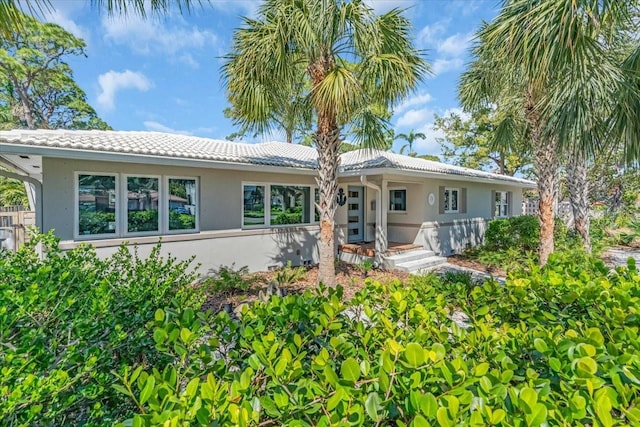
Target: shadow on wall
column 298, row 245
column 455, row 238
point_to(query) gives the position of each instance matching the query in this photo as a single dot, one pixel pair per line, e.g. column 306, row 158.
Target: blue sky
column 164, row 74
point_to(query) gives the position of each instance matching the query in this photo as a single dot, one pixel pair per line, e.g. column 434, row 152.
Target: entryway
column 355, row 214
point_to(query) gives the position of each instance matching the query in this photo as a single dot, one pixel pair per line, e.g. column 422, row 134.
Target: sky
column 163, row 74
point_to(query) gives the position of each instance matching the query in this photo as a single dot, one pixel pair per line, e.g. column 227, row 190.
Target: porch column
column 382, row 226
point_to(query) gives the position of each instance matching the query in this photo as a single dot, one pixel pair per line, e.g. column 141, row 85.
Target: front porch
column 406, row 257
column 368, row 249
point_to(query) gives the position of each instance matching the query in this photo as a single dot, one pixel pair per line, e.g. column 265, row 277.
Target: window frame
column 390, row 189
column 76, row 215
column 500, row 204
column 125, row 206
column 450, row 190
column 266, row 196
column 165, row 203
column 267, row 202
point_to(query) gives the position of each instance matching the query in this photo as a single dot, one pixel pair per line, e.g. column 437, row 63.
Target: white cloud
column 441, row 65
column 419, row 99
column 455, row 45
column 58, row 16
column 149, row 36
column 187, row 59
column 159, row 127
column 415, row 117
column 113, row 81
column 430, row 34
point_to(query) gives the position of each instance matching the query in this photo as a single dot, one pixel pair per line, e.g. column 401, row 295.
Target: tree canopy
column 37, row 89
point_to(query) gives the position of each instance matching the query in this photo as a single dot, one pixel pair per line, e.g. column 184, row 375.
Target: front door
column 355, row 214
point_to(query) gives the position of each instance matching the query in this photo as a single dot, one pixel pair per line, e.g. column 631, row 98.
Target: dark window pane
column 182, row 204
column 96, row 204
column 142, row 204
column 253, row 205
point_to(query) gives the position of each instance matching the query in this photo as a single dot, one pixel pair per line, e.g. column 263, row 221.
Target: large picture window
column 97, row 209
column 253, row 205
column 115, row 205
column 182, row 203
column 142, row 204
column 290, row 205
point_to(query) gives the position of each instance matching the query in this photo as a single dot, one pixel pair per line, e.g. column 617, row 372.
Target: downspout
column 380, row 235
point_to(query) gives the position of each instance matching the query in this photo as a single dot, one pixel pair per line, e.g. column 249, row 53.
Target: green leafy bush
column 70, row 320
column 557, row 346
column 230, row 279
column 288, row 274
column 518, row 232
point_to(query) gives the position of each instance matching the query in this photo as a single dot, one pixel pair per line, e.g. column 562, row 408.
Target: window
column 182, row 203
column 398, row 200
column 265, row 205
column 290, row 205
column 316, row 211
column 253, row 205
column 97, row 208
column 451, row 200
column 108, row 206
column 501, row 202
column 142, row 204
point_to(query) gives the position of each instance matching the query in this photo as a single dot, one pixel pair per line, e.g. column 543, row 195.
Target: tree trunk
column 578, row 184
column 327, row 145
column 546, row 168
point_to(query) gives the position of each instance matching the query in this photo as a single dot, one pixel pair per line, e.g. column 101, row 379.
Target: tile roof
column 190, row 147
column 370, row 159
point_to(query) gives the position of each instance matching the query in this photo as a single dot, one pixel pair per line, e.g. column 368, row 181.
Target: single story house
column 248, row 204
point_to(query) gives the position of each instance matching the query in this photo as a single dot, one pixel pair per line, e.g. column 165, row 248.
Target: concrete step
column 419, row 265
column 391, row 261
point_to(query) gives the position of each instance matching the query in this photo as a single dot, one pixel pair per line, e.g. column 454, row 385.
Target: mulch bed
column 462, row 261
column 348, row 276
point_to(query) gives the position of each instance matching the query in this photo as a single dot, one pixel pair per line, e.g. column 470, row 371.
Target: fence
column 14, row 221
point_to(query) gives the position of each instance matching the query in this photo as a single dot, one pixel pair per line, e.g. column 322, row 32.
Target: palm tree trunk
column 546, row 168
column 327, row 145
column 578, row 184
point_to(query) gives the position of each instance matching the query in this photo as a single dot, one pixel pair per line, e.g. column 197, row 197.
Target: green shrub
column 556, row 346
column 288, row 275
column 70, row 320
column 519, row 232
column 230, row 279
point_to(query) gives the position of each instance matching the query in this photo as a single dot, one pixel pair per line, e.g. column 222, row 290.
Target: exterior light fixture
column 341, row 198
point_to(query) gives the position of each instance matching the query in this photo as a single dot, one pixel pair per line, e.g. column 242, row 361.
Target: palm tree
column 553, row 66
column 356, row 61
column 410, row 138
column 11, row 11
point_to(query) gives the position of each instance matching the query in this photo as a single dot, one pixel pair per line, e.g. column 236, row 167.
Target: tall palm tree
column 557, row 69
column 410, row 138
column 356, row 61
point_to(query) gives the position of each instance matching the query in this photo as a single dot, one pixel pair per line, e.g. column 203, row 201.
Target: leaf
column 540, row 345
column 350, row 369
column 414, row 353
column 586, row 365
column 372, row 406
column 438, row 352
column 429, row 405
column 529, row 396
column 159, row 315
column 443, row 417
column 192, row 387
column 603, row 410
column 497, row 416
column 420, row 421
column 482, row 310
column 334, row 400
column 481, row 369
column 146, row 392
column 537, row 416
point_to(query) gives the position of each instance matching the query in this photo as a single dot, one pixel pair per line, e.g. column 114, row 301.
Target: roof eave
column 438, row 175
column 79, row 154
